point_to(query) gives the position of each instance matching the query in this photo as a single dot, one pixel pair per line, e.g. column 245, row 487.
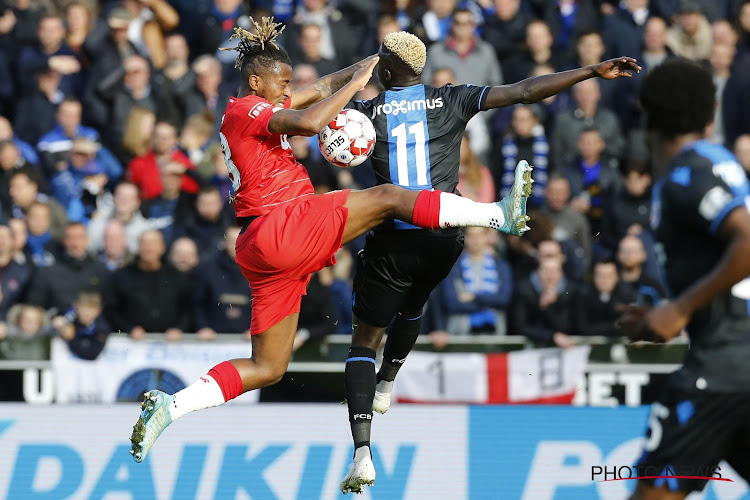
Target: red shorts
column 280, row 250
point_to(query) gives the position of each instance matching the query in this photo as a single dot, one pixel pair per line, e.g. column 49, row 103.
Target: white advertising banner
column 285, row 452
column 127, row 368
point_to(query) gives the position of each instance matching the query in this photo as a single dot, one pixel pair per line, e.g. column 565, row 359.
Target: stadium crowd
column 116, row 204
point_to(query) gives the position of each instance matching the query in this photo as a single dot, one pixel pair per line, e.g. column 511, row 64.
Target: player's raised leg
column 437, row 209
column 272, row 350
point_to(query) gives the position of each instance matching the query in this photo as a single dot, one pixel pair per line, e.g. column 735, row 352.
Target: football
column 348, row 139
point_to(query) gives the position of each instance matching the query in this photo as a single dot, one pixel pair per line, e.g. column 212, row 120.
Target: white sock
column 361, row 452
column 456, row 211
column 201, row 394
column 384, row 386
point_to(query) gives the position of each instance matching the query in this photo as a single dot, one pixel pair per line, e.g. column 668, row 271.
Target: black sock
column 399, row 344
column 360, row 390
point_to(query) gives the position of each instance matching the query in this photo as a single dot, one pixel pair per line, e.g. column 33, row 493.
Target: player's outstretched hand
column 667, row 320
column 363, row 74
column 632, row 322
column 617, row 68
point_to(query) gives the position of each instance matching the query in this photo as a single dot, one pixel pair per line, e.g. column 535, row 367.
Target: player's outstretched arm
column 537, row 88
column 326, row 86
column 310, row 121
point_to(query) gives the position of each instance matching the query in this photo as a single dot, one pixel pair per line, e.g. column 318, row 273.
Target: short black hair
column 678, row 97
column 258, row 51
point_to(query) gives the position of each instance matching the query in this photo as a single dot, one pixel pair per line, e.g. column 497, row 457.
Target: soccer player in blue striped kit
column 419, row 130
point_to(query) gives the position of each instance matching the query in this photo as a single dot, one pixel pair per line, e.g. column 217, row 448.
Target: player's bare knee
column 388, row 198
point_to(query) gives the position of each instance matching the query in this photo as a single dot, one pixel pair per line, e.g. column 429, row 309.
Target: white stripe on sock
column 456, row 211
column 201, row 394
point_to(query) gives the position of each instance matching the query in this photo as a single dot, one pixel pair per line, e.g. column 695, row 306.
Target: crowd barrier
column 300, row 452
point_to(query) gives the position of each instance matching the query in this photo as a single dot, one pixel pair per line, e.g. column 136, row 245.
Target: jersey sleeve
column 253, row 116
column 361, row 106
column 703, row 197
column 467, row 100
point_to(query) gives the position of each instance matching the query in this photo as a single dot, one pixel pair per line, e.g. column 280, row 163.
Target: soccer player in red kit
column 288, row 232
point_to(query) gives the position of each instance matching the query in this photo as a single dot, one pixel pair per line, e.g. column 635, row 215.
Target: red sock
column 427, row 209
column 228, row 378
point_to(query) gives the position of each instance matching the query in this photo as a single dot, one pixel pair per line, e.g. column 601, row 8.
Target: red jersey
column 263, row 170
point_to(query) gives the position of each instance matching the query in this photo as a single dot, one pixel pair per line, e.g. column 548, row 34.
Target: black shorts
column 691, row 431
column 397, row 271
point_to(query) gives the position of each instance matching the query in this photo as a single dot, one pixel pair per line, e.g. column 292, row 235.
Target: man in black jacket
column 596, row 305
column 150, row 295
column 58, row 285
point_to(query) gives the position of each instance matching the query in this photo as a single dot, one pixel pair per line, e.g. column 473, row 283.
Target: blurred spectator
column 27, row 150
column 590, row 50
column 50, row 53
column 177, row 69
column 596, row 304
column 569, row 224
column 721, row 66
column 115, row 253
column 742, row 152
column 308, row 50
column 14, row 277
column 341, row 290
column 219, row 176
column 138, row 135
column 106, row 47
column 506, row 30
column 588, row 113
column 525, row 141
column 474, row 179
column 744, row 24
column 304, row 74
column 478, row 290
column 26, row 334
column 215, row 29
column 735, row 104
column 207, row 224
column 151, row 19
column 173, row 207
column 23, row 21
column 222, row 297
column 131, row 86
column 543, row 307
column 79, row 22
column 183, row 255
column 196, row 136
column 690, row 36
column 471, row 59
column 126, row 208
column 628, row 209
column 631, row 256
column 339, row 41
column 407, row 14
column 24, row 191
column 144, row 171
column 322, row 174
column 623, row 30
column 655, row 50
column 80, row 184
column 566, row 19
column 476, row 127
column 317, row 316
column 208, row 94
column 74, row 271
column 83, row 327
column 568, row 253
column 10, row 161
column 20, row 232
column 150, row 295
column 35, row 111
column 592, row 178
column 43, row 249
column 538, row 51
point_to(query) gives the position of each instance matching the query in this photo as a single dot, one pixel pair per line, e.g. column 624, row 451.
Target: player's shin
column 360, row 389
column 436, row 209
column 222, row 383
column 399, row 344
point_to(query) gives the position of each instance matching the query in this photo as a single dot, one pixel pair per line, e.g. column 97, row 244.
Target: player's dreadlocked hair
column 679, row 97
column 257, row 51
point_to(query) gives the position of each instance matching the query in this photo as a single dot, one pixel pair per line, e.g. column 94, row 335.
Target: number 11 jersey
column 419, row 131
